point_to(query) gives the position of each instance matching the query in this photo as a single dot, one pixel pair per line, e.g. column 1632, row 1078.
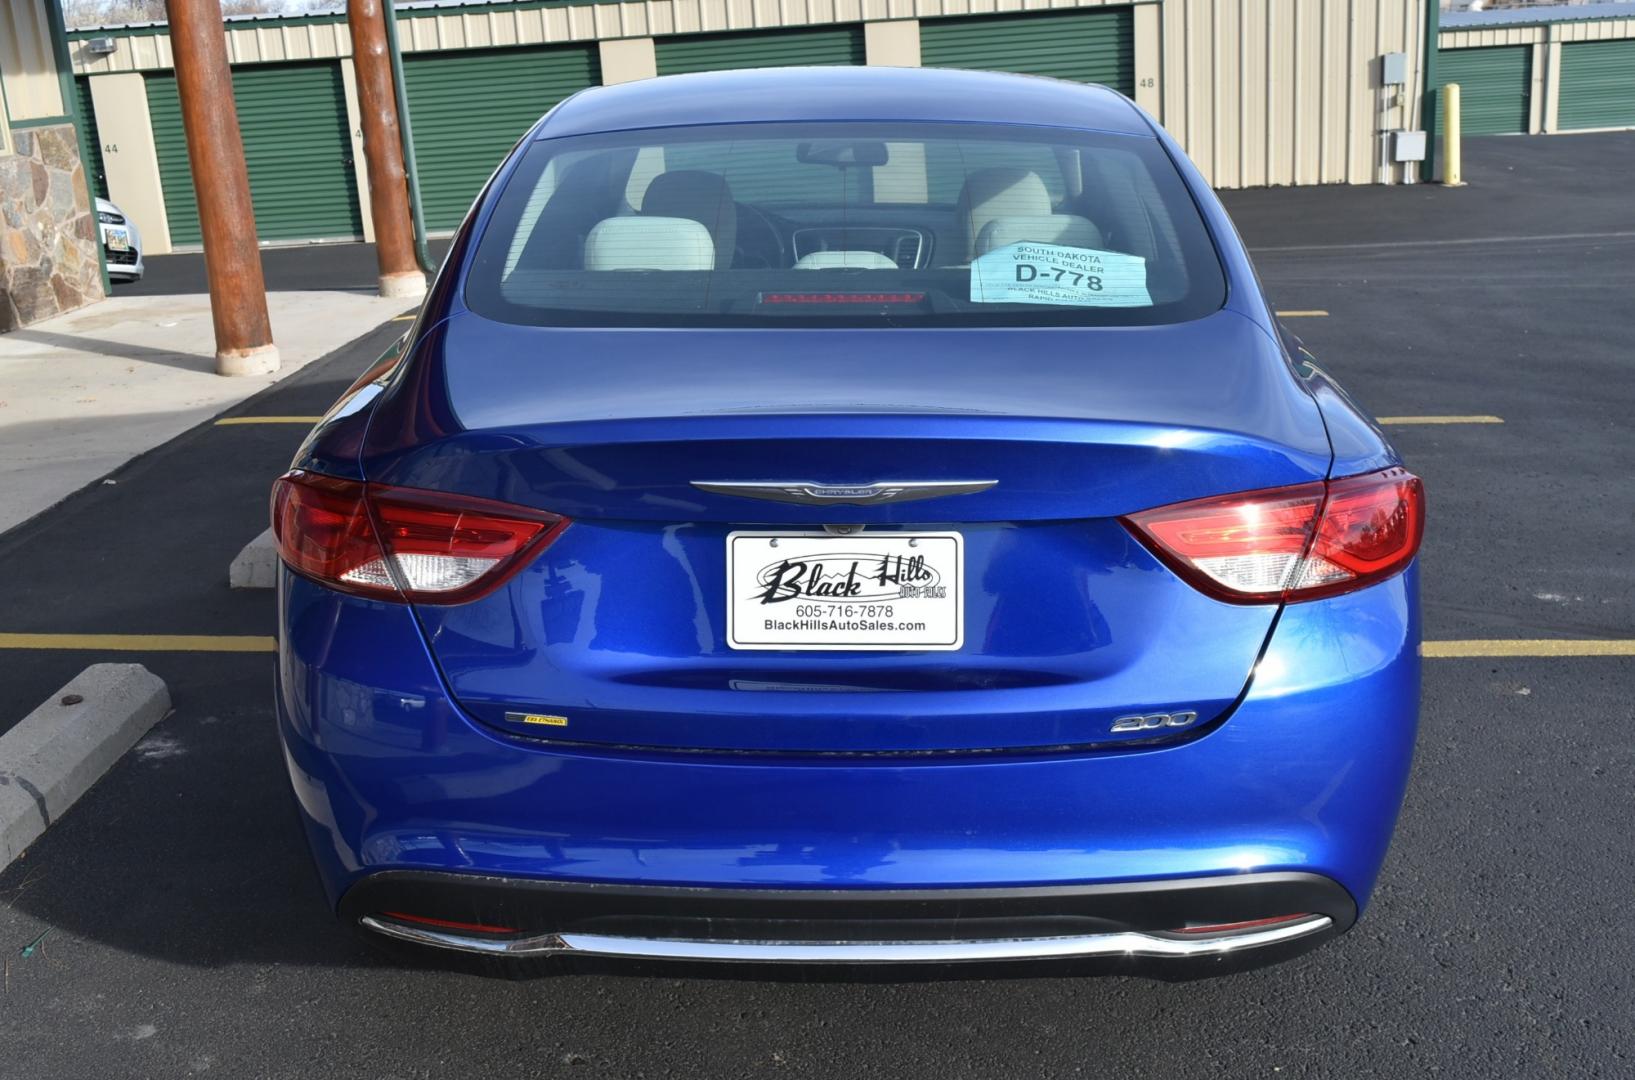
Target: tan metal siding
column 28, row 69
column 1284, row 91
column 1547, row 42
column 270, row 41
column 1588, row 30
column 1259, row 92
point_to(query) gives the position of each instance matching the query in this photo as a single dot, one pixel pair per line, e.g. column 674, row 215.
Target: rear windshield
column 845, row 224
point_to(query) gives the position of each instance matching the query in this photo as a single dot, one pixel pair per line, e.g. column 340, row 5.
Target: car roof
column 845, row 93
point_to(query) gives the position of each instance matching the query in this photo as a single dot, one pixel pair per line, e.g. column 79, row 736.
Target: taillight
column 1294, row 543
column 401, row 543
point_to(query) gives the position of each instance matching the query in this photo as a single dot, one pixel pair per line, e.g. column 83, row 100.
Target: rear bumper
column 1139, row 926
column 1305, row 778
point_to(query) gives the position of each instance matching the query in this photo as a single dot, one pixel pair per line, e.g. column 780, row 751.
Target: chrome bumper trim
column 1126, row 943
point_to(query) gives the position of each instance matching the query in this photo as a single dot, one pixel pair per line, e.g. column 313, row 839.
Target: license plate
column 117, row 239
column 866, row 592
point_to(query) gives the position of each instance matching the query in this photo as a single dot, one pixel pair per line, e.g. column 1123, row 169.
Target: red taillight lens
column 400, row 543
column 1294, row 543
column 323, row 530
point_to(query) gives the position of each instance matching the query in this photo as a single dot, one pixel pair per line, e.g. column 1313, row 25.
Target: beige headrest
column 1069, row 230
column 999, row 192
column 705, row 197
column 649, row 243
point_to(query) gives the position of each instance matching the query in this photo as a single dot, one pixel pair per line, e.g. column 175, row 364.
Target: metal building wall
column 28, row 68
column 1547, row 40
column 146, row 47
column 1587, row 30
column 1259, row 92
column 1267, row 92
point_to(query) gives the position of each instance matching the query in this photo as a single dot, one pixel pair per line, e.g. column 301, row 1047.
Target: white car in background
column 121, row 242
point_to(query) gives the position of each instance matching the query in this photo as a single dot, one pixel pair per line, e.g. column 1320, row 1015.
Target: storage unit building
column 1597, row 85
column 774, row 48
column 1495, row 87
column 469, row 107
column 1568, row 67
column 1258, row 92
column 86, row 115
column 1090, row 45
column 297, row 147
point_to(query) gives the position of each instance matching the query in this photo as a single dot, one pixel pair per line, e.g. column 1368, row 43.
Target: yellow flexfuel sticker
column 538, row 718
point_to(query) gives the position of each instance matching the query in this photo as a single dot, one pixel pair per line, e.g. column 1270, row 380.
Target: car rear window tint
column 871, row 223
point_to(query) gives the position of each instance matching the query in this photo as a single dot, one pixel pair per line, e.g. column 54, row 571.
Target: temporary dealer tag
column 1052, row 274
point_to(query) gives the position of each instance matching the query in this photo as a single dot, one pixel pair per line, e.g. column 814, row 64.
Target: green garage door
column 296, row 145
column 468, row 109
column 1086, row 46
column 780, row 48
column 93, row 139
column 1597, row 85
column 1494, row 87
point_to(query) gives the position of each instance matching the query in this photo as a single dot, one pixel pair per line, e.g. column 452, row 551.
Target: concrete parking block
column 256, row 567
column 63, row 747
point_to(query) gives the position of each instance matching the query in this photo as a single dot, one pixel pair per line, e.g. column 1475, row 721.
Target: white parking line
column 1439, row 420
column 1463, row 242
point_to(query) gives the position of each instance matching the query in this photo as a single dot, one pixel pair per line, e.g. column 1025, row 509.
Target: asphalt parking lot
column 170, row 925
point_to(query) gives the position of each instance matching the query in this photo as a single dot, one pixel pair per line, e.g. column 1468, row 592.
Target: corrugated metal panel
column 87, row 117
column 1495, row 87
column 1597, row 85
column 534, row 22
column 722, row 52
column 1503, row 35
column 1586, row 30
column 1088, row 46
column 1286, row 91
column 170, row 146
column 298, row 150
column 292, row 118
column 469, row 108
column 1258, row 91
column 28, row 66
column 1599, row 30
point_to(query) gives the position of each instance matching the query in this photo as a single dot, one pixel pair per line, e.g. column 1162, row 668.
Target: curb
column 257, row 565
column 59, row 751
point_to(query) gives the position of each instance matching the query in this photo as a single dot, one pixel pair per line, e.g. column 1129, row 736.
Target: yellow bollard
column 1450, row 136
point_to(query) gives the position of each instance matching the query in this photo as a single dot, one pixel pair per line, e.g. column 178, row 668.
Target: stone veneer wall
column 48, row 228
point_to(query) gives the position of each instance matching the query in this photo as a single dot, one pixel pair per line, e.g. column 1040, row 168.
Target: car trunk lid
column 617, row 633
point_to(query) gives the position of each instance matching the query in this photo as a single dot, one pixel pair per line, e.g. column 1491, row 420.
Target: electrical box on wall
column 1408, row 146
column 1393, row 69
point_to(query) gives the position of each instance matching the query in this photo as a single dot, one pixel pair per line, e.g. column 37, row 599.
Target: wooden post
column 238, row 295
column 400, row 275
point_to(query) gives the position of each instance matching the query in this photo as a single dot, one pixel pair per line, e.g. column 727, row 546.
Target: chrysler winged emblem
column 843, row 494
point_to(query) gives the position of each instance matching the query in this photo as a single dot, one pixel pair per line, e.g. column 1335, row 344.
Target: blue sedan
column 849, row 516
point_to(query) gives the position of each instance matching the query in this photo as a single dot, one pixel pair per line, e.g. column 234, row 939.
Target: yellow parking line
column 142, row 642
column 1440, row 419
column 410, row 317
column 1313, row 314
column 1501, row 647
column 268, row 420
